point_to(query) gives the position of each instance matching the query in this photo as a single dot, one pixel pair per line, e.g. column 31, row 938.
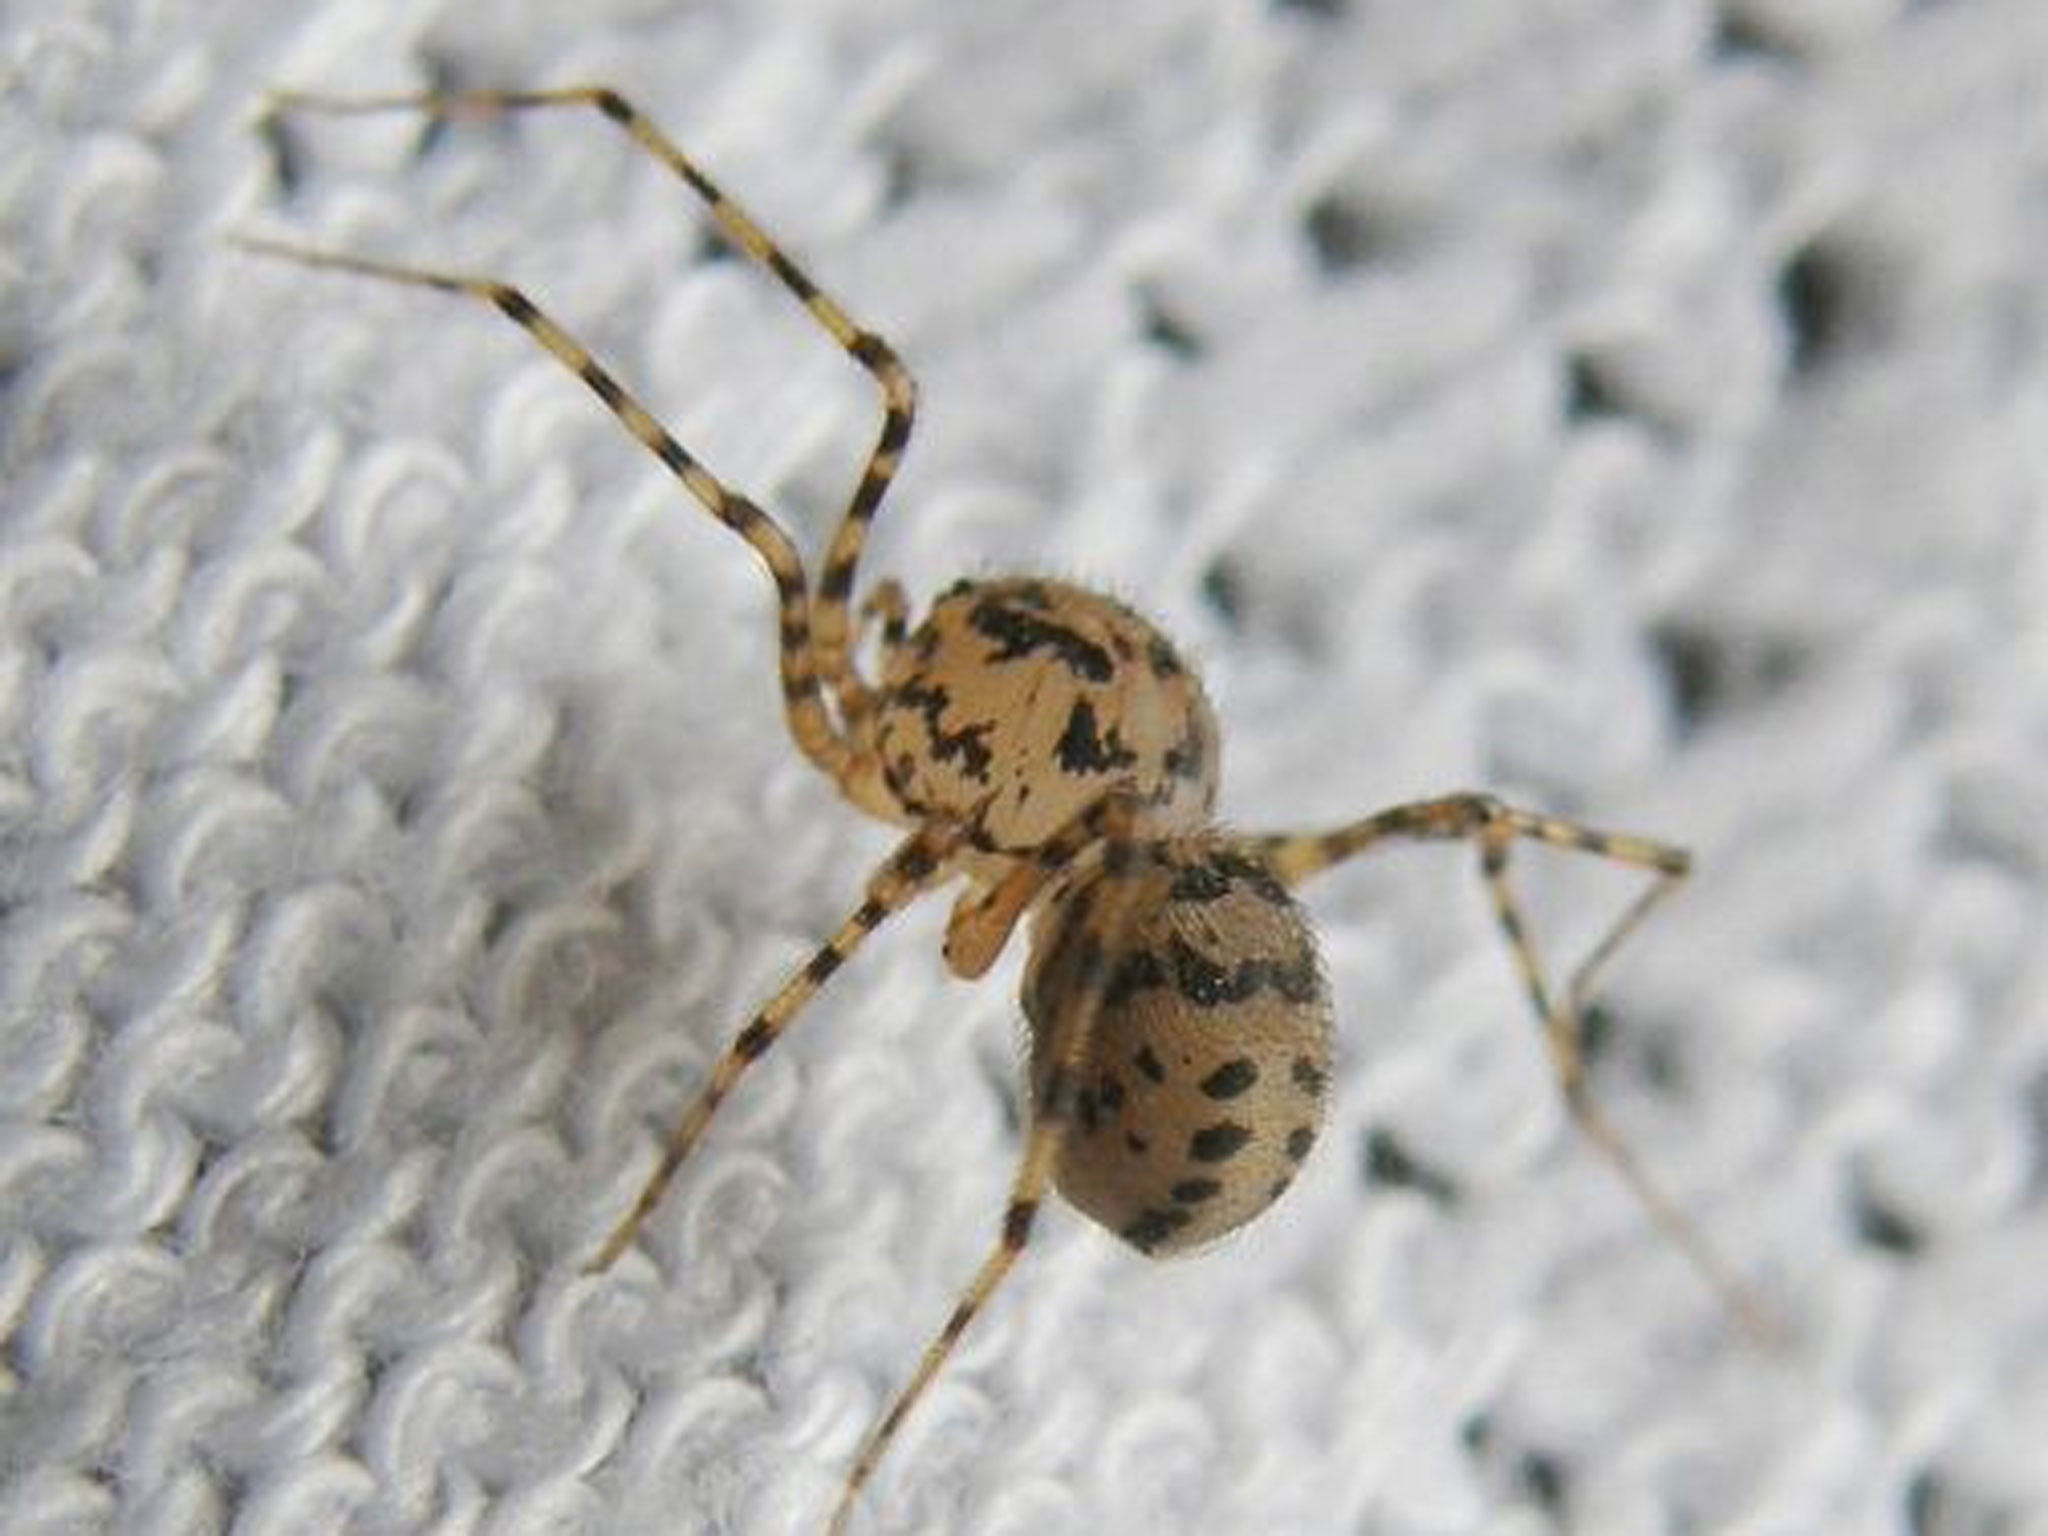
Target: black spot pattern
column 1138, row 971
column 1154, row 1227
column 967, row 746
column 1083, row 748
column 1218, row 1143
column 1019, row 634
column 1231, row 1079
column 1159, row 656
column 1205, row 983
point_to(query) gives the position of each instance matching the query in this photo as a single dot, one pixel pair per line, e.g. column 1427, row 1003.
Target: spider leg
column 810, row 723
column 920, row 861
column 1495, row 829
column 830, row 627
column 1106, row 825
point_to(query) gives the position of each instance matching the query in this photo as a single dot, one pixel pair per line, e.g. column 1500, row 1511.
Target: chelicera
column 1048, row 750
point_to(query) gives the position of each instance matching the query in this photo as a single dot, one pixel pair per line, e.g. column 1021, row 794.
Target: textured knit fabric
column 1636, row 408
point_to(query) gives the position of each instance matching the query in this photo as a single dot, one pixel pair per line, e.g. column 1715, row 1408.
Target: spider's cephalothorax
column 1017, row 704
column 1046, row 747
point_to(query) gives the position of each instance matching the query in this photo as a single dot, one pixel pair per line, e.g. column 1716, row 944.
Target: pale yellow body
column 1048, row 748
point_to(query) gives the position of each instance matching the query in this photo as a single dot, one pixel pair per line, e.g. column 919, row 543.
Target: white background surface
column 395, row 816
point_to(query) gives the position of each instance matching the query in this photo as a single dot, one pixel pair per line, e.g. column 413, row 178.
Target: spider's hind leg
column 1495, row 828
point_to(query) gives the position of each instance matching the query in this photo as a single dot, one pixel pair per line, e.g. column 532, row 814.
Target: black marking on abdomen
column 1153, row 1227
column 1208, row 985
column 1218, row 1143
column 1231, row 1079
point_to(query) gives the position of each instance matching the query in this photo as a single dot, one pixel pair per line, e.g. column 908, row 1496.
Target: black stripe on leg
column 836, row 584
column 742, row 516
column 786, row 269
column 891, row 1422
column 1017, row 1223
column 916, row 862
column 514, row 305
column 674, row 455
column 895, row 432
column 603, row 385
column 1511, row 925
column 956, row 1324
column 1056, row 1097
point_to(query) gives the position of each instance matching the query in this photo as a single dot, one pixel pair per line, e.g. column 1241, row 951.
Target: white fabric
column 395, row 813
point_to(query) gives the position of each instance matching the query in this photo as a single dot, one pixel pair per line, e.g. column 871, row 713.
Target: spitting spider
column 1049, row 749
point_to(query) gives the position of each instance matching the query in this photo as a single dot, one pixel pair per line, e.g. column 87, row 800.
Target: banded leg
column 810, row 723
column 918, row 863
column 1107, row 824
column 830, row 625
column 1496, row 828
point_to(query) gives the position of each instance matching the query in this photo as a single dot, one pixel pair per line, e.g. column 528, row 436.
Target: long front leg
column 828, row 615
column 1495, row 828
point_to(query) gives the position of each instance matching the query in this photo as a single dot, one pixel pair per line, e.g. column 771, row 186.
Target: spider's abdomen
column 1201, row 1086
column 1017, row 704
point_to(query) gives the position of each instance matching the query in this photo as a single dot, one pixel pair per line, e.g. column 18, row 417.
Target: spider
column 1049, row 750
